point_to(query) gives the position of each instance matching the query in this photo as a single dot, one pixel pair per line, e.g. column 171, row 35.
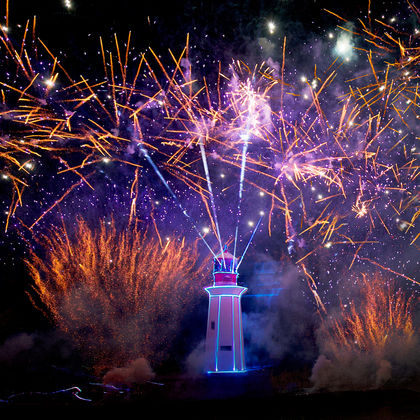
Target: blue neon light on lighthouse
column 224, row 338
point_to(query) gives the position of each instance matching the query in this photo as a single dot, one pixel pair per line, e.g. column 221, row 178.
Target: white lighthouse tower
column 224, row 338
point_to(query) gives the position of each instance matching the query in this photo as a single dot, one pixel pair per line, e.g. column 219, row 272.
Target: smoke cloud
column 15, row 345
column 396, row 365
column 136, row 372
column 277, row 326
column 196, row 361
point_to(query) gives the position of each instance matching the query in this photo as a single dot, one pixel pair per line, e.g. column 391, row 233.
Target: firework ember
column 338, row 176
column 118, row 295
column 373, row 340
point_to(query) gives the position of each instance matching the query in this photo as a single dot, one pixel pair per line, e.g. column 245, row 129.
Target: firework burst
column 339, row 171
column 374, row 340
column 118, row 295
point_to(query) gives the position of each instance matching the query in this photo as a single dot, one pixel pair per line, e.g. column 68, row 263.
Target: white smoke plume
column 15, row 345
column 136, row 372
column 277, row 327
column 396, row 366
column 195, row 363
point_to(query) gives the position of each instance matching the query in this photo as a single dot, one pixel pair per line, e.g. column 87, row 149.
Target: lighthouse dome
column 226, row 255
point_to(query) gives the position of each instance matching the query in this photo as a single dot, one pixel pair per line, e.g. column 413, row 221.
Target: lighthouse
column 224, row 337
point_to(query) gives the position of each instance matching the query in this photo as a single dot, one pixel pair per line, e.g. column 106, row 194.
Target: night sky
column 374, row 197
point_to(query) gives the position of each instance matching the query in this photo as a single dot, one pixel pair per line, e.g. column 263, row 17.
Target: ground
column 257, row 395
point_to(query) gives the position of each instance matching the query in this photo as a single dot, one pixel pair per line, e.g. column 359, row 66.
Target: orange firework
column 338, row 171
column 392, row 88
column 374, row 342
column 383, row 314
column 118, row 295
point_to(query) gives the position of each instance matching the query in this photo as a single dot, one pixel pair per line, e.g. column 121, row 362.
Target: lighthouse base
column 226, row 372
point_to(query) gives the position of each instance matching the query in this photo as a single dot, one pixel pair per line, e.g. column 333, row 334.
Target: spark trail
column 340, row 171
